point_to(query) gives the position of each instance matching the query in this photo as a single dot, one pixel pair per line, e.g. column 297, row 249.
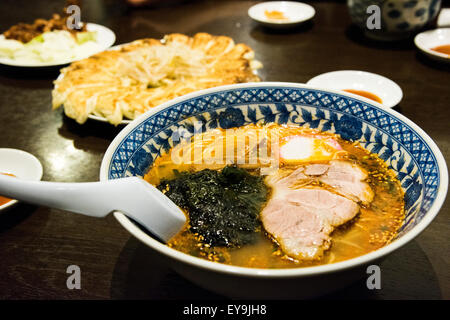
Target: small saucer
column 431, row 39
column 387, row 90
column 292, row 13
column 22, row 165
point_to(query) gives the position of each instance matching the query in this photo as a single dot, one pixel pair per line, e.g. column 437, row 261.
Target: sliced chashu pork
column 301, row 219
column 344, row 177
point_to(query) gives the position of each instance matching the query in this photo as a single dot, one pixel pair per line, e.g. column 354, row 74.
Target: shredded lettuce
column 83, row 37
column 38, row 39
column 51, row 47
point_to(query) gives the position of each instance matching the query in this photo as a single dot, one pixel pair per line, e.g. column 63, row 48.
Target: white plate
column 105, row 39
column 103, row 119
column 295, row 12
column 387, row 90
column 21, row 164
column 431, row 39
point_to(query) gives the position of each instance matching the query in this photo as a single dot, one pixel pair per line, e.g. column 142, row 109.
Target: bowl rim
column 288, row 272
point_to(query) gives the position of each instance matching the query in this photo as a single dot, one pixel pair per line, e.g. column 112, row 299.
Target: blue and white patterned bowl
column 408, row 150
column 399, row 19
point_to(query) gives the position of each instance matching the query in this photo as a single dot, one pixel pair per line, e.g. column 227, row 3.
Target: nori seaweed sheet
column 223, row 205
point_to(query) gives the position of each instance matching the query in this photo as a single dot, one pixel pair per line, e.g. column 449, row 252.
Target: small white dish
column 294, row 13
column 431, row 39
column 387, row 90
column 21, row 164
column 105, row 39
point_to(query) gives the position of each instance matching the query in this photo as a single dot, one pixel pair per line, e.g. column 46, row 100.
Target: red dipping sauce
column 365, row 94
column 445, row 49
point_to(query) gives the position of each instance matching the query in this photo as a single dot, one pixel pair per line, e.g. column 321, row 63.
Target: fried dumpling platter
column 125, row 82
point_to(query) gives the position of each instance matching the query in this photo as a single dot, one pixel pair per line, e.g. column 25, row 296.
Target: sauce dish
column 281, row 14
column 428, row 40
column 20, row 164
column 387, row 90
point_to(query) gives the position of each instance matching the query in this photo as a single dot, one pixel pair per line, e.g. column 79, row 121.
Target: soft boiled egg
column 308, row 148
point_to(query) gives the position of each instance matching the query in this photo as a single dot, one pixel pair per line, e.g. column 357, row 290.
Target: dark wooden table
column 37, row 244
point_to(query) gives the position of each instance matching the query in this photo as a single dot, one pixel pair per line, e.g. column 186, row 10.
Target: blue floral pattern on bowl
column 399, row 18
column 382, row 133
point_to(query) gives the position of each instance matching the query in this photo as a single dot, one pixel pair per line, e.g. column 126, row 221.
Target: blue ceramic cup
column 392, row 20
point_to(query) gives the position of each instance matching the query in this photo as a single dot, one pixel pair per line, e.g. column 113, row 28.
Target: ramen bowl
column 407, row 149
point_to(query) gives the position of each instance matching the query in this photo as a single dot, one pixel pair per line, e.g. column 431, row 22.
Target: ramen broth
column 375, row 226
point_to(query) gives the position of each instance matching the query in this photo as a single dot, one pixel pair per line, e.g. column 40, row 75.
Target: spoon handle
column 132, row 196
column 88, row 198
